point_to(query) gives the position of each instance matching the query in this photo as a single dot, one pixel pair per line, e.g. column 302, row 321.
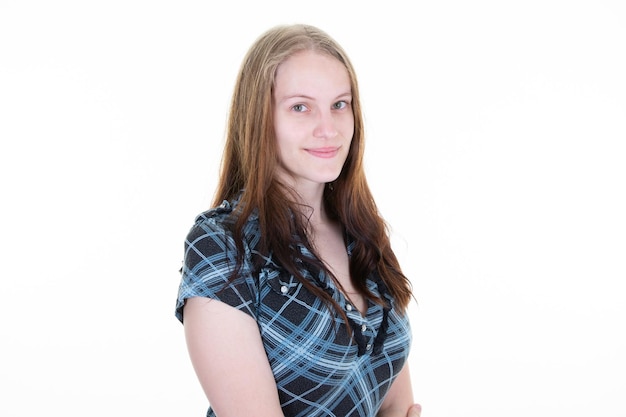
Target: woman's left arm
column 399, row 399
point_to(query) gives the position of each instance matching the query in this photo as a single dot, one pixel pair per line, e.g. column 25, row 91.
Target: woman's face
column 313, row 118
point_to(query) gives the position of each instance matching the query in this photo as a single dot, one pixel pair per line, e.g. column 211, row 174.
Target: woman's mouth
column 323, row 152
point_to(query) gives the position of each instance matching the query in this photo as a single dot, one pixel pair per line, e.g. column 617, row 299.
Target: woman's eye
column 340, row 105
column 299, row 108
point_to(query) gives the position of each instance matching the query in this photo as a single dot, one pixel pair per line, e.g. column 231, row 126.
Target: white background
column 495, row 150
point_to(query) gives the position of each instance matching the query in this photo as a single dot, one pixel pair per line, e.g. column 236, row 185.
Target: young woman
column 292, row 299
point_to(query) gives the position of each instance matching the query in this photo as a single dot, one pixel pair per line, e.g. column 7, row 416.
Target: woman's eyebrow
column 307, row 97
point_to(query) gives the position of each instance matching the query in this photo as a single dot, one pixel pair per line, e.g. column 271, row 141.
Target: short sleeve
column 210, row 258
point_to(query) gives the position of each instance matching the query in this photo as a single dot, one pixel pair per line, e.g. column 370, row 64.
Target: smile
column 323, row 152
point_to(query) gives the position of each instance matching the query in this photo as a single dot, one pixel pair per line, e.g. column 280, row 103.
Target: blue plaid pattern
column 319, row 369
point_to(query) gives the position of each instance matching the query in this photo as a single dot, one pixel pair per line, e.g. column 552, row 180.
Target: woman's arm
column 227, row 354
column 399, row 399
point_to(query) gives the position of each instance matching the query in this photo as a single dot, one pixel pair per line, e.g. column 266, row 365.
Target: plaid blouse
column 319, row 369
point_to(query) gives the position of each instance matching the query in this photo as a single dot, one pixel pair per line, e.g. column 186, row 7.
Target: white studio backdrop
column 495, row 150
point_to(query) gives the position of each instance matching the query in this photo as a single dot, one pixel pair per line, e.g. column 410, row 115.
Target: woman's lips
column 323, row 152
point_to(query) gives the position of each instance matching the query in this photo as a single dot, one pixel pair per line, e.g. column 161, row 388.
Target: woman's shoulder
column 220, row 221
column 213, row 242
column 214, row 218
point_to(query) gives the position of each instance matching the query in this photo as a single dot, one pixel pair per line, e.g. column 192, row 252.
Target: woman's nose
column 325, row 125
